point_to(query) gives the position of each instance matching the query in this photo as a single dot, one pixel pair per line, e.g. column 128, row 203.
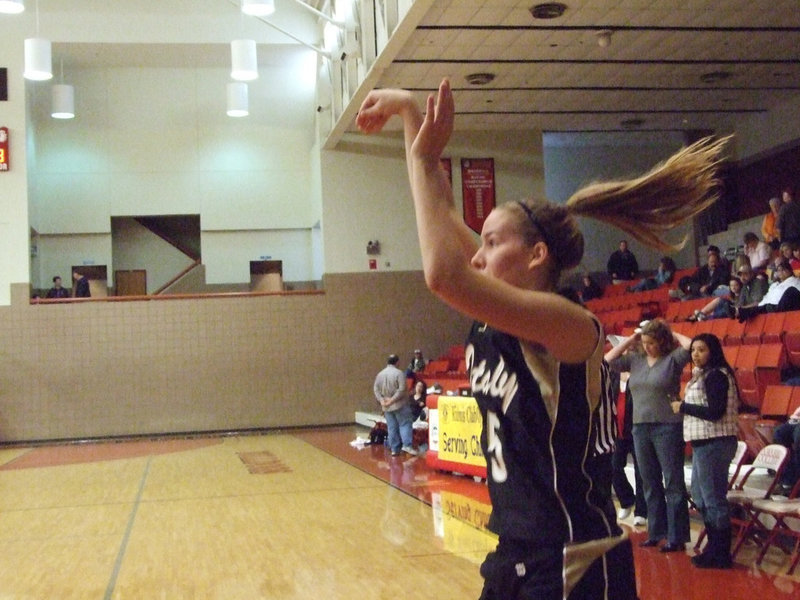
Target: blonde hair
column 646, row 208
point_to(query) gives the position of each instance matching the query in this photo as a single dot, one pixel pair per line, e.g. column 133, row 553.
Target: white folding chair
column 786, row 513
column 769, row 463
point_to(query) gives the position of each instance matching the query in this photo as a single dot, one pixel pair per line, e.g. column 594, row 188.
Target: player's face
column 503, row 253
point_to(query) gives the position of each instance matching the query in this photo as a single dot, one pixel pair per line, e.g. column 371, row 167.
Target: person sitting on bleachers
column 757, row 251
column 663, row 276
column 589, row 289
column 783, row 295
column 719, row 307
column 788, row 434
column 710, row 276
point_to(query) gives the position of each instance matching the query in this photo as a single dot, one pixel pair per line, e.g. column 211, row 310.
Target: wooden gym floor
column 294, row 515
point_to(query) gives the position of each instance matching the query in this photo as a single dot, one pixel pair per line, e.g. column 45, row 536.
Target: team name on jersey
column 500, row 383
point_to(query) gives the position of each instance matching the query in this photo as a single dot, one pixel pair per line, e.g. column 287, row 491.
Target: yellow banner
column 460, row 431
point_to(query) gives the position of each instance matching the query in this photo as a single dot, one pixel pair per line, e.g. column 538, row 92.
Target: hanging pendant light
column 244, row 61
column 11, row 7
column 238, row 105
column 63, row 104
column 38, row 62
column 258, row 8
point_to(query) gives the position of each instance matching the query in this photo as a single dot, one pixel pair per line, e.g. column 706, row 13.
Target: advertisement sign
column 459, row 430
column 477, row 188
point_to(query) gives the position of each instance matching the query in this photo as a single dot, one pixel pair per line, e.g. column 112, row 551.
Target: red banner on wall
column 4, row 158
column 477, row 189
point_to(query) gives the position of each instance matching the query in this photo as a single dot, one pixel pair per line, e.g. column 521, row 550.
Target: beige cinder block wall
column 128, row 368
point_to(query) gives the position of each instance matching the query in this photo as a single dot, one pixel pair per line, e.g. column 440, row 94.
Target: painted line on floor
column 126, row 537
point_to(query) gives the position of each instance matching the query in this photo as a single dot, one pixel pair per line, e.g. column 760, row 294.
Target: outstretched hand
column 437, row 125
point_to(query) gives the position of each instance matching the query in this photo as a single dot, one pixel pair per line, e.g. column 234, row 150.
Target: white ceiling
column 552, row 75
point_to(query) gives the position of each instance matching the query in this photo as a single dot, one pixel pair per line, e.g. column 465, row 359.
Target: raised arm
column 567, row 330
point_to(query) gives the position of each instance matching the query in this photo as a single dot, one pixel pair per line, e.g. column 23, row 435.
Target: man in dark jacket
column 81, row 285
column 622, row 265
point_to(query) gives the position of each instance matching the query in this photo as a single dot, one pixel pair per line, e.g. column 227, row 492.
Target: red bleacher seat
column 746, row 376
column 773, row 328
column 774, row 409
column 753, row 328
column 791, row 336
column 733, row 333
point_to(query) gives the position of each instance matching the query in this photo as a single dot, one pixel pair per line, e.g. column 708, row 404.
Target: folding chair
column 736, row 463
column 782, row 511
column 753, row 328
column 769, row 462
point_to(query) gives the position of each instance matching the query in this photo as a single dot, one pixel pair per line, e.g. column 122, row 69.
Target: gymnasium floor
column 295, row 515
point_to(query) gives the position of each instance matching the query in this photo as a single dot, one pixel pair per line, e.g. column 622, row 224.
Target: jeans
column 622, row 487
column 659, row 453
column 788, row 434
column 710, row 462
column 401, row 432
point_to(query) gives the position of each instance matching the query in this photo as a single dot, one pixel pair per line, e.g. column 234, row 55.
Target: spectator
column 754, row 287
column 630, row 499
column 720, row 306
column 655, row 379
column 590, row 289
column 81, row 285
column 417, row 364
column 788, row 434
column 622, row 265
column 392, row 394
column 757, row 251
column 710, row 407
column 664, row 274
column 711, row 275
column 57, row 291
column 788, row 222
column 768, row 230
column 419, row 398
column 783, row 295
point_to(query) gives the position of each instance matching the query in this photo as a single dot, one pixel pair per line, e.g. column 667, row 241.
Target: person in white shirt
column 782, row 296
column 757, row 251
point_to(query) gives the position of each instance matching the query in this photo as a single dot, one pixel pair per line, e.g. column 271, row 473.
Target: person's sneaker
column 396, row 453
column 639, row 521
column 410, row 450
column 624, row 513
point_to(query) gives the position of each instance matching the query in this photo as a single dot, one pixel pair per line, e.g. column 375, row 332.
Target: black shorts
column 514, row 572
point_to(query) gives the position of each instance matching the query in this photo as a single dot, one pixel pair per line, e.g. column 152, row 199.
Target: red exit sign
column 3, row 148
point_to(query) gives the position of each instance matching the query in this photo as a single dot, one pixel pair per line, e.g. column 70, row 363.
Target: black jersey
column 540, row 433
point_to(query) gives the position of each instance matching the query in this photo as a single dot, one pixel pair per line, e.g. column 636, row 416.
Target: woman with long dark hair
column 709, row 408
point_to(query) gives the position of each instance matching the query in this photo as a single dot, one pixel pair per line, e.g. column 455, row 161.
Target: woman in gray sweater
column 655, row 379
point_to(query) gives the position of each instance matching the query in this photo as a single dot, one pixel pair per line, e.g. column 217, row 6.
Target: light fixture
column 11, row 7
column 244, row 61
column 63, row 101
column 237, row 99
column 258, row 8
column 548, row 10
column 604, row 38
column 479, row 78
column 38, row 62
